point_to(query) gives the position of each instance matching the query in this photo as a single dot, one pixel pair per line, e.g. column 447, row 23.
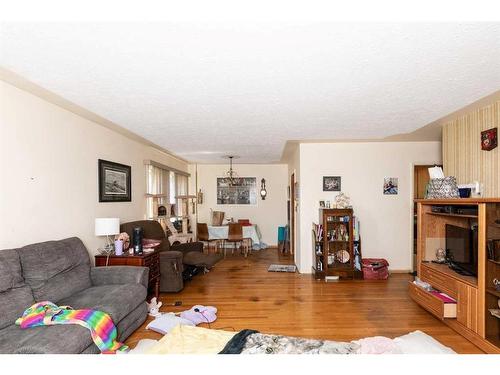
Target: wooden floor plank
column 247, row 296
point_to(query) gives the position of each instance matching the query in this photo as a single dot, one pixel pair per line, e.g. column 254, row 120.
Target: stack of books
column 318, row 232
column 355, row 225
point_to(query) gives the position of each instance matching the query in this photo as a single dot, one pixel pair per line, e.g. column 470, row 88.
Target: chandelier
column 231, row 174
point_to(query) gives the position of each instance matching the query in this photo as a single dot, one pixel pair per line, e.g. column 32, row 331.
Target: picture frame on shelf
column 332, row 183
column 322, row 204
column 115, row 181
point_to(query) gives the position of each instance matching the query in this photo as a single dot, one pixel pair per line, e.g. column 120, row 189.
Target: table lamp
column 107, row 226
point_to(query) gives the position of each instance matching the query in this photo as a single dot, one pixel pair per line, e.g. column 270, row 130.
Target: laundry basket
column 375, row 269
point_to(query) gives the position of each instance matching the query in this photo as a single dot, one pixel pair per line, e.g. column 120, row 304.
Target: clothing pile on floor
column 164, row 323
column 181, row 336
column 187, row 339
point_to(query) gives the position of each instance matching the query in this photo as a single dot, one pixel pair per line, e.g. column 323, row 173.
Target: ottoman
column 171, row 271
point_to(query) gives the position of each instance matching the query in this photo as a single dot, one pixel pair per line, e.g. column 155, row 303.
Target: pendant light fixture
column 231, row 174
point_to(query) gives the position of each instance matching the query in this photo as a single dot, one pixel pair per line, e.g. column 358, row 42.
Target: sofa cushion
column 15, row 296
column 10, row 270
column 51, row 339
column 14, row 301
column 6, row 278
column 117, row 300
column 56, row 269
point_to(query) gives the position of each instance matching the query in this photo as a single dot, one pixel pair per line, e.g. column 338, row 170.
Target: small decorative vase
column 118, row 247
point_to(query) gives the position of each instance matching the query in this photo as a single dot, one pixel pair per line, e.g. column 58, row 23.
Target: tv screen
column 461, row 248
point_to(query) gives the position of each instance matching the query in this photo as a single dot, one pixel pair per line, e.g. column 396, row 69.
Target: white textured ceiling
column 203, row 91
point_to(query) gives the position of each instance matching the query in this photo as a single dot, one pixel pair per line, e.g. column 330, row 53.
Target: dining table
column 220, row 232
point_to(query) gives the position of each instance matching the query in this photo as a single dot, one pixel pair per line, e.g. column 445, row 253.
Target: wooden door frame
column 412, row 195
column 292, row 213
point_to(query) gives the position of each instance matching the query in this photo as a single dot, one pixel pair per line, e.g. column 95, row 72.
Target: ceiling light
column 231, row 174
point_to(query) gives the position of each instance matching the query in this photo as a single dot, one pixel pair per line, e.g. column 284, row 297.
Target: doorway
column 420, row 180
column 292, row 213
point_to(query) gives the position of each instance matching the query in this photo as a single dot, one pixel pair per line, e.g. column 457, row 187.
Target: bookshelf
column 336, row 244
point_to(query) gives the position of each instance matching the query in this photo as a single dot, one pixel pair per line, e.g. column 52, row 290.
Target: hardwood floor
column 247, row 296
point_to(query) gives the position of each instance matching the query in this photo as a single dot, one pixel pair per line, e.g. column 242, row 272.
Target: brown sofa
column 173, row 258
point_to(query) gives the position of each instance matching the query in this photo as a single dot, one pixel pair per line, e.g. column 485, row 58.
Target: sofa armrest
column 119, row 275
column 185, row 248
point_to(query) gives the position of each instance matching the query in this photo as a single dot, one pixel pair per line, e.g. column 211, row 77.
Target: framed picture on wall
column 390, row 186
column 115, row 182
column 242, row 191
column 489, row 139
column 331, row 183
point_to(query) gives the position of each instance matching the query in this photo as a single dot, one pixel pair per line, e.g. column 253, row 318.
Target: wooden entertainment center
column 474, row 296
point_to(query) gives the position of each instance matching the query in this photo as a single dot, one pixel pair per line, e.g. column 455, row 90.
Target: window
column 165, row 184
column 172, row 187
column 157, row 183
column 181, row 188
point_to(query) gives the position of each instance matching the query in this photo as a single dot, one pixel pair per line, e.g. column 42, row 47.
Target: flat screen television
column 461, row 249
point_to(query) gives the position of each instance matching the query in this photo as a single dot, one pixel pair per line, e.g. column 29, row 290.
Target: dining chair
column 235, row 235
column 203, row 236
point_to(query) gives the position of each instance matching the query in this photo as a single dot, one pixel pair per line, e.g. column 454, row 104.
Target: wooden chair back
column 235, row 232
column 202, row 231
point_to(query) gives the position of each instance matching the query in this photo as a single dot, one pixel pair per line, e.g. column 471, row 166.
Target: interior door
column 292, row 213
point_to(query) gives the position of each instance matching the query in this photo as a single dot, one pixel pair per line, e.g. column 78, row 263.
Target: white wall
column 386, row 221
column 268, row 214
column 48, row 171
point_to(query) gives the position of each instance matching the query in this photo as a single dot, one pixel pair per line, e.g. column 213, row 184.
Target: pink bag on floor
column 375, row 269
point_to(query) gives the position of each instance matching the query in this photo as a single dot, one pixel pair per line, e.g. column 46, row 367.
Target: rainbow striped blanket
column 100, row 325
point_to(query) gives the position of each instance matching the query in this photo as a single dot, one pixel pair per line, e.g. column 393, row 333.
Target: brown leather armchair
column 152, row 229
column 173, row 258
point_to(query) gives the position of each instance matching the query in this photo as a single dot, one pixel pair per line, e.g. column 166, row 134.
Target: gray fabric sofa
column 61, row 272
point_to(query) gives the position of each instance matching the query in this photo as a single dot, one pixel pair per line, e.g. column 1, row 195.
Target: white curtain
column 181, row 188
column 157, row 182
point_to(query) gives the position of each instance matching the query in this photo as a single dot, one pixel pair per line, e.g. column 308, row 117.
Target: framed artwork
column 390, row 185
column 489, row 139
column 243, row 191
column 114, row 182
column 322, row 204
column 331, row 183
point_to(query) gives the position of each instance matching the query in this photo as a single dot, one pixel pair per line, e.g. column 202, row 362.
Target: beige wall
column 386, row 221
column 462, row 154
column 268, row 214
column 48, row 169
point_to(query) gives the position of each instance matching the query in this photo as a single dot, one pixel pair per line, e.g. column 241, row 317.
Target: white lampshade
column 105, row 226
